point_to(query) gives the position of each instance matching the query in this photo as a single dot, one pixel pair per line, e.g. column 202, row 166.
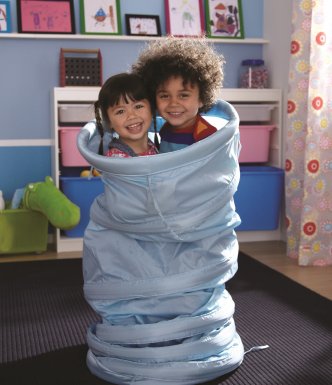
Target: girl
column 123, row 107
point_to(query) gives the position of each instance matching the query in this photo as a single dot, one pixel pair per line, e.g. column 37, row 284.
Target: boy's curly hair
column 191, row 58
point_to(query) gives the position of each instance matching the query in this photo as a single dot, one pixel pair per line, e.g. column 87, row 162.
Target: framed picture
column 100, row 17
column 184, row 18
column 224, row 19
column 146, row 25
column 5, row 24
column 45, row 16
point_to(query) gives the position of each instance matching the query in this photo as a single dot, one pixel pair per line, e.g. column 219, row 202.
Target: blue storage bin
column 81, row 191
column 259, row 196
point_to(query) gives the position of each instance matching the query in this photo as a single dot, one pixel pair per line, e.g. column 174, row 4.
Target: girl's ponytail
column 100, row 128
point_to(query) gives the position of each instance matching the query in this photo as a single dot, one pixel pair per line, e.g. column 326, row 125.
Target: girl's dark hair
column 124, row 85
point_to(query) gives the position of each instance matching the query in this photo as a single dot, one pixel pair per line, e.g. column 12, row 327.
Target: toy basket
column 22, row 231
column 80, row 67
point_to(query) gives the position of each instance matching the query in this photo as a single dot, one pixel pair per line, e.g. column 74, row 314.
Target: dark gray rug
column 43, row 321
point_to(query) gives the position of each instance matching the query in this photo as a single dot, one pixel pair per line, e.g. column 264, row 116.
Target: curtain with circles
column 309, row 135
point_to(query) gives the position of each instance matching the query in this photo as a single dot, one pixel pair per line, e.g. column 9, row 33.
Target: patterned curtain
column 309, row 135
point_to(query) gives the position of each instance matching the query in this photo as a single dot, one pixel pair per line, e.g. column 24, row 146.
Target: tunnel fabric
column 158, row 251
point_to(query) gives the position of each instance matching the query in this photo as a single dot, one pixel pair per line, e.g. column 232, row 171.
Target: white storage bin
column 76, row 113
column 254, row 112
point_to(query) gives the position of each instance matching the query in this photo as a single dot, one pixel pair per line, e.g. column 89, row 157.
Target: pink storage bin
column 70, row 156
column 255, row 142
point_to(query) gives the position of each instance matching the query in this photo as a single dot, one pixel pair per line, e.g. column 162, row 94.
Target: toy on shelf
column 80, row 67
column 90, row 173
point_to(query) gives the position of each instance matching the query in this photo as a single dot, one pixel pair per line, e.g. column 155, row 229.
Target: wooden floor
column 272, row 254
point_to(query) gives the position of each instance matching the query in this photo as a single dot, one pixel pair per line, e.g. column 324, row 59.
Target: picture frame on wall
column 5, row 17
column 224, row 19
column 184, row 18
column 100, row 17
column 42, row 16
column 143, row 25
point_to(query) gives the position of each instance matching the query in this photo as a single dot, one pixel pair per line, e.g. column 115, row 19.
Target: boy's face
column 131, row 120
column 177, row 103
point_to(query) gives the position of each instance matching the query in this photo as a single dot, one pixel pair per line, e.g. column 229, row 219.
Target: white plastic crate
column 254, row 112
column 76, row 113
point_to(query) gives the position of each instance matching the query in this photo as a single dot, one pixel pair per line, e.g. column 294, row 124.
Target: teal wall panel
column 22, row 165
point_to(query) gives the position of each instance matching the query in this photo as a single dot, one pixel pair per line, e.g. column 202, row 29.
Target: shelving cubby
column 235, row 96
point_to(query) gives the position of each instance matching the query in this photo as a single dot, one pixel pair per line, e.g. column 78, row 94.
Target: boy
column 183, row 77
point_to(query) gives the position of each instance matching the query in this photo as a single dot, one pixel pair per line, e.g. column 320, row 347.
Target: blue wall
column 29, row 70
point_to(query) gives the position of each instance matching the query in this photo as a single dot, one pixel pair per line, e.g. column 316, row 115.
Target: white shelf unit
column 234, row 96
column 273, row 98
column 37, row 36
column 66, row 95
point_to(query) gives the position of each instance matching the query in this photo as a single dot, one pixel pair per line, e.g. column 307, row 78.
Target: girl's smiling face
column 131, row 120
column 178, row 103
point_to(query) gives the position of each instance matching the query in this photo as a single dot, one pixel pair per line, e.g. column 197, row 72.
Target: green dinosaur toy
column 46, row 198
